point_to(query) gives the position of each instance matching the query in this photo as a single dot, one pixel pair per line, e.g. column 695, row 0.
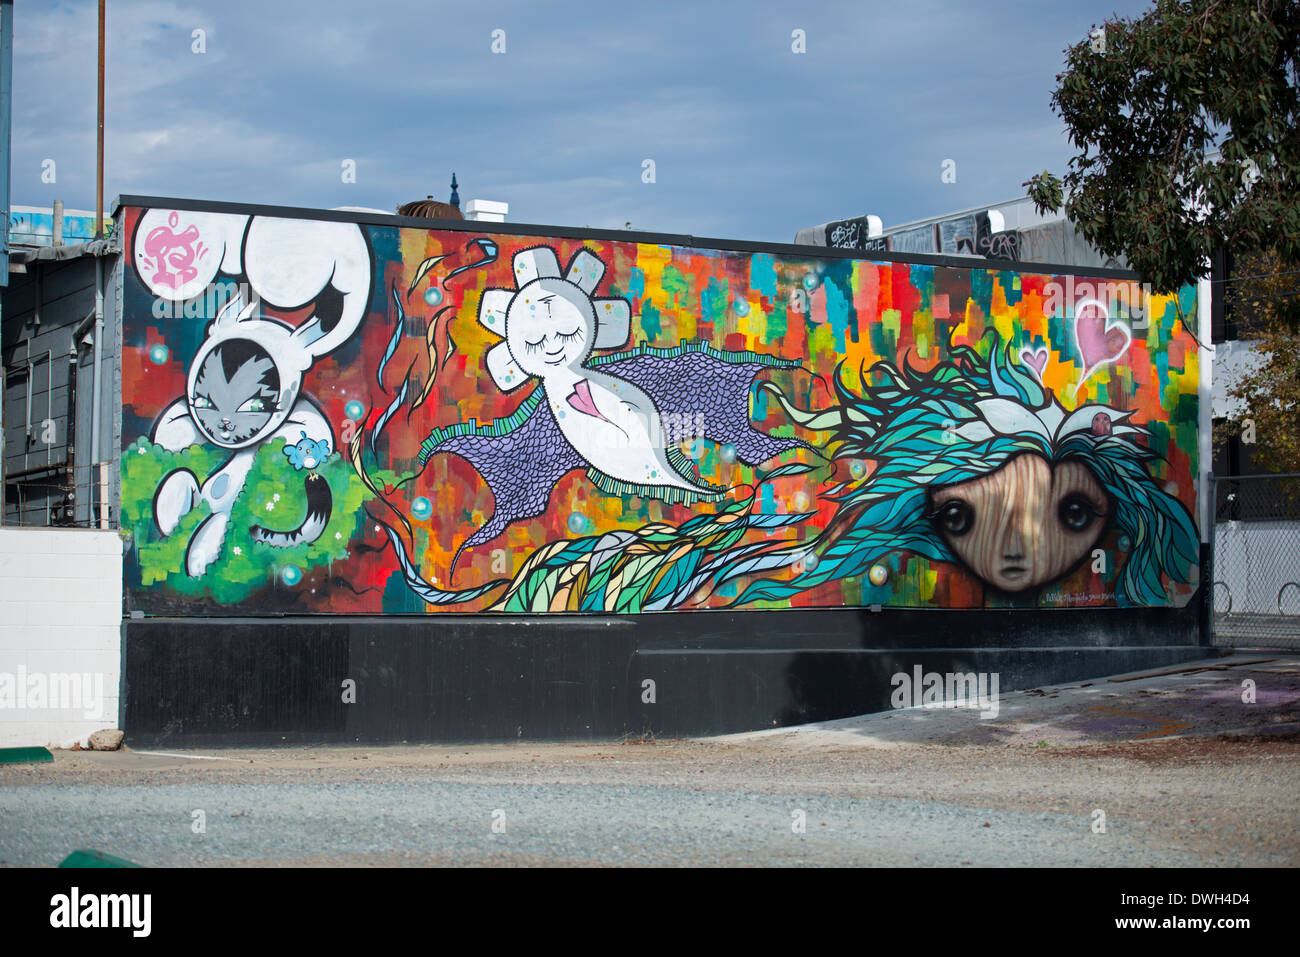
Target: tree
column 1187, row 122
column 1262, row 298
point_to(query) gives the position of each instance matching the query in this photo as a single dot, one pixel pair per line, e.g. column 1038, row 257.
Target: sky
column 748, row 138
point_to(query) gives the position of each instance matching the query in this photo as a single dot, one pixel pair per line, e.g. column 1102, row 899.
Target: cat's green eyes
column 252, row 405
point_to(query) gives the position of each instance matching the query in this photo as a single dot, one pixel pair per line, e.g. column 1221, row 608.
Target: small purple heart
column 1036, row 359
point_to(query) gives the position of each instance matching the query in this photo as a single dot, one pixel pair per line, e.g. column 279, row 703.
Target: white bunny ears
column 178, row 254
column 612, row 318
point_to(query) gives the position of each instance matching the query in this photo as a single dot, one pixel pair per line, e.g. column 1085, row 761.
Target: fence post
column 1207, row 562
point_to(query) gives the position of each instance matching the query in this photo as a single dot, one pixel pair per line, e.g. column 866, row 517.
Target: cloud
column 750, row 139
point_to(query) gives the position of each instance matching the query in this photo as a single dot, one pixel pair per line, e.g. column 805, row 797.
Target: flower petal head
column 503, row 368
column 535, row 263
column 492, row 310
column 585, row 270
column 613, row 322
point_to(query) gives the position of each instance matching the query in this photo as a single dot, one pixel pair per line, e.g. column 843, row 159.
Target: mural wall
column 325, row 417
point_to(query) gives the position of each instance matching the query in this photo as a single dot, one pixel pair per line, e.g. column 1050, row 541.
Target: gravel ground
column 874, row 799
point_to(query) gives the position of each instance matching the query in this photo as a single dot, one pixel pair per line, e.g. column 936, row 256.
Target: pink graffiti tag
column 174, row 254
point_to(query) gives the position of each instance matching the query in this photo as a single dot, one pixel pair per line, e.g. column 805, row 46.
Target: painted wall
column 34, row 226
column 326, row 417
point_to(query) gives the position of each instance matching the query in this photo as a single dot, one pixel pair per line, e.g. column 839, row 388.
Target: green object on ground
column 94, row 859
column 25, row 755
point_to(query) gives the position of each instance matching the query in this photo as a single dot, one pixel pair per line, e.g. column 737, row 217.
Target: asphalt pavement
column 1188, row 766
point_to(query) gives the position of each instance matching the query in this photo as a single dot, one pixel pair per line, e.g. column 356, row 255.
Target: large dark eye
column 1076, row 512
column 955, row 517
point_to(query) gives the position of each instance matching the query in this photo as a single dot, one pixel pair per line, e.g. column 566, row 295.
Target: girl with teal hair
column 977, row 464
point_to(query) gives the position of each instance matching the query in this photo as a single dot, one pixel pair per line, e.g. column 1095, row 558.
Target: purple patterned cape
column 523, row 456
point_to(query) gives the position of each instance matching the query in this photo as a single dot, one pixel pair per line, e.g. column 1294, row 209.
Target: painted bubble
column 857, row 468
column 433, row 297
column 742, row 307
column 354, row 410
column 810, row 281
column 727, row 453
column 809, row 561
column 578, row 523
column 291, row 574
column 421, row 508
column 159, row 354
column 878, row 575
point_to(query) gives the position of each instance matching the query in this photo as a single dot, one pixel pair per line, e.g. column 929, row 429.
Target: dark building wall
column 230, row 682
column 47, row 446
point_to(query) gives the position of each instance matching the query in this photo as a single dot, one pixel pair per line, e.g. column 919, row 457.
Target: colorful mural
column 326, row 417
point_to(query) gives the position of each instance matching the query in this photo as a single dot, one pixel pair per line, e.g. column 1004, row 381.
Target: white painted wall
column 60, row 615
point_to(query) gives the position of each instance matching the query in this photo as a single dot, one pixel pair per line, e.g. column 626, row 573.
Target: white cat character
column 244, row 383
column 552, row 324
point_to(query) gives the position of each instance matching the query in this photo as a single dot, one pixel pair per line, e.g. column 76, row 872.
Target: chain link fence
column 1257, row 561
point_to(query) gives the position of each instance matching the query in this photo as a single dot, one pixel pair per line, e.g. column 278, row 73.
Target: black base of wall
column 440, row 678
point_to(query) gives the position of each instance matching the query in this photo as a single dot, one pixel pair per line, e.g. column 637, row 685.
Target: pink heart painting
column 1036, row 359
column 1099, row 342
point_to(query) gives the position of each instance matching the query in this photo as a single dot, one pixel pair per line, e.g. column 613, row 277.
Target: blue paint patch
column 762, row 274
column 1162, row 369
column 1011, row 287
column 838, row 309
column 713, row 300
column 922, row 278
column 981, row 289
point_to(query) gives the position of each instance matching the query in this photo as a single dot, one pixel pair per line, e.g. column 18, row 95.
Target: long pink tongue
column 580, row 399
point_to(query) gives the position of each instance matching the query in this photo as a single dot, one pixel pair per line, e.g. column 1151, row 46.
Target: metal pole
column 99, row 140
column 4, row 483
column 27, row 441
column 6, row 104
column 49, row 404
column 95, row 378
